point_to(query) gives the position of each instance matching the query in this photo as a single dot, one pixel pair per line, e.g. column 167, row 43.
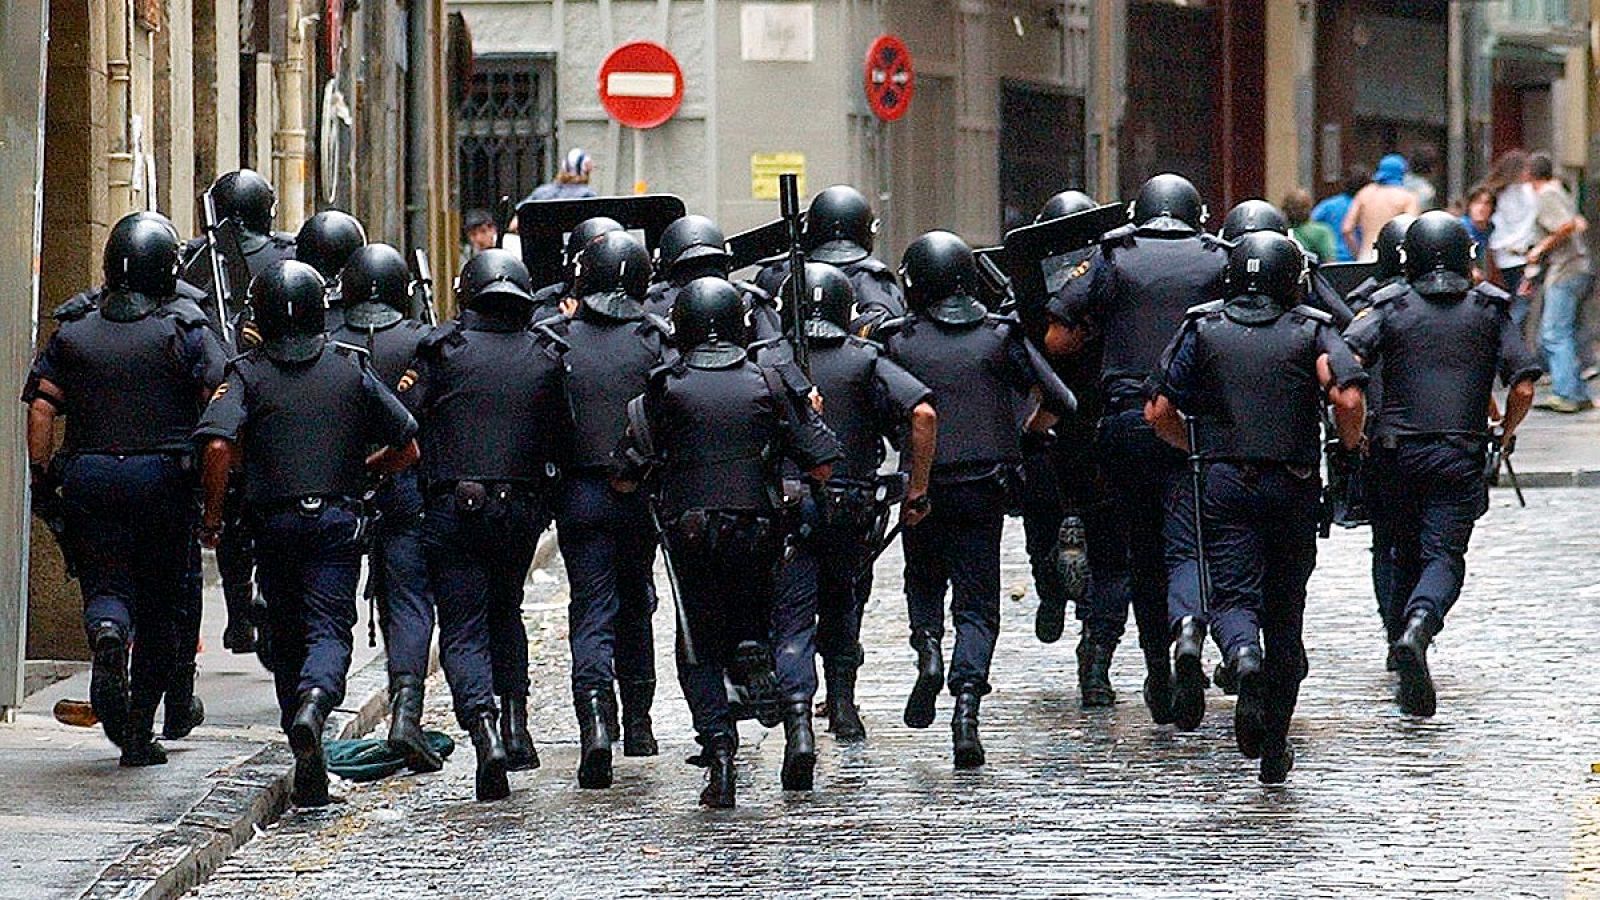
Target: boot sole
column 108, row 688
column 1417, row 696
column 1249, row 720
column 491, row 783
column 143, row 760
column 594, row 772
column 182, row 729
column 1276, row 769
column 969, row 757
column 1188, row 693
column 920, row 705
column 416, row 760
column 716, row 802
column 1050, row 622
column 799, row 772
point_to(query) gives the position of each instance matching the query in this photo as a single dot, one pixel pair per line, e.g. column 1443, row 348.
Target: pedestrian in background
column 481, row 232
column 1478, row 217
column 1312, row 235
column 1418, row 178
column 1515, row 207
column 1330, row 210
column 572, row 182
column 1564, row 274
column 1381, row 200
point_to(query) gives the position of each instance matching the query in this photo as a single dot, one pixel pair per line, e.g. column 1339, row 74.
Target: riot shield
column 1344, row 277
column 760, row 244
column 1042, row 257
column 543, row 226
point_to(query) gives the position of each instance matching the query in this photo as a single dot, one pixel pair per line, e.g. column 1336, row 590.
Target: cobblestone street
column 1492, row 798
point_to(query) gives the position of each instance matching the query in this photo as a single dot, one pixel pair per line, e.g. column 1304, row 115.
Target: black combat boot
column 753, row 669
column 844, row 720
column 638, row 732
column 305, row 739
column 1189, row 688
column 1158, row 685
column 1249, row 712
column 594, row 706
column 108, row 682
column 1416, row 695
column 1277, row 758
column 183, row 711
column 1051, row 618
column 930, row 678
column 1225, row 678
column 239, row 636
column 1094, row 674
column 964, row 731
column 491, row 782
column 139, row 747
column 405, row 724
column 799, row 747
column 720, row 775
column 519, row 750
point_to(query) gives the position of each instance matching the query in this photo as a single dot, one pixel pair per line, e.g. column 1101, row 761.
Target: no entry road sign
column 641, row 85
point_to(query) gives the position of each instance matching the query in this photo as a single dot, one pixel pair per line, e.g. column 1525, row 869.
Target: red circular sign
column 641, row 85
column 889, row 79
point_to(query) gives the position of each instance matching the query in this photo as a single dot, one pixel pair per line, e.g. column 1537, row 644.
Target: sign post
column 889, row 82
column 641, row 86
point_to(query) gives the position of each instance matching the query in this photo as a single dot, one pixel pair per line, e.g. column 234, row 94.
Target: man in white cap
column 572, row 182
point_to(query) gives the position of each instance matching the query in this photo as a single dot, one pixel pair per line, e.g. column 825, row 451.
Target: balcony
column 1543, row 23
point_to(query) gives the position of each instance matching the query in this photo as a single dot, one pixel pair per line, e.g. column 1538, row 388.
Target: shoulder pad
column 282, row 238
column 754, row 290
column 874, row 266
column 1204, row 309
column 449, row 332
column 659, row 373
column 660, row 324
column 891, row 327
column 551, row 323
column 864, row 343
column 1118, row 236
column 76, row 308
column 794, row 380
column 186, row 312
column 768, row 344
column 1390, row 293
column 554, row 343
column 351, row 350
column 548, row 291
column 1312, row 313
column 189, row 292
column 1489, row 293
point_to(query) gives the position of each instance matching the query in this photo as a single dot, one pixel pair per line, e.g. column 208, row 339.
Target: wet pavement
column 1491, row 798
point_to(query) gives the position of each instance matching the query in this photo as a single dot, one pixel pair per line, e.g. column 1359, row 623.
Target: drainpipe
column 289, row 140
column 119, row 103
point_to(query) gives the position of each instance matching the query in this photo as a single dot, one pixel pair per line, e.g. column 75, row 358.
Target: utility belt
column 1255, row 468
column 1469, row 443
column 472, row 495
column 710, row 532
column 858, row 508
column 309, row 506
column 183, row 457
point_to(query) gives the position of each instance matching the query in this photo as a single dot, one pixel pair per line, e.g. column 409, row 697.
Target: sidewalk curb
column 245, row 796
column 1580, row 478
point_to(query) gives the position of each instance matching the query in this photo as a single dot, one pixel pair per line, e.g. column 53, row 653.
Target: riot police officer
column 1250, row 216
column 821, row 590
column 325, row 242
column 1438, row 342
column 694, row 247
column 1251, row 373
column 1134, row 292
column 839, row 230
column 298, row 390
column 1388, row 269
column 491, row 398
column 707, row 434
column 551, row 299
column 249, row 201
column 131, row 377
column 375, row 289
column 976, row 366
column 607, row 541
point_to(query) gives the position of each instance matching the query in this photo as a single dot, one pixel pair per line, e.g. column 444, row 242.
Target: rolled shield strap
column 127, row 306
column 1166, row 225
column 370, row 315
column 825, row 330
column 1252, row 309
column 838, row 253
column 1441, row 281
column 957, row 309
column 714, row 355
column 294, row 348
column 615, row 305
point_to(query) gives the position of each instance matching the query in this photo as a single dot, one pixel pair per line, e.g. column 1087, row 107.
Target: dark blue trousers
column 1428, row 494
column 236, row 555
column 130, row 532
column 957, row 548
column 477, row 563
column 609, row 546
column 309, row 566
column 1141, row 471
column 817, row 603
column 1065, row 479
column 405, row 607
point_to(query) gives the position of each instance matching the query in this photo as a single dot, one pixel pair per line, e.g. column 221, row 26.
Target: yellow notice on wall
column 765, row 169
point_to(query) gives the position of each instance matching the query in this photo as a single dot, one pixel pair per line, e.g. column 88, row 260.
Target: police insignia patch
column 221, row 389
column 1361, row 315
column 1078, row 270
column 407, row 380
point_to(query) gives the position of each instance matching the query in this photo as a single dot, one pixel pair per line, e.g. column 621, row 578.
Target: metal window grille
column 505, row 131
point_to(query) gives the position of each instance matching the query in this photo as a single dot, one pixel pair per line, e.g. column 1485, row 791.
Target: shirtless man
column 1377, row 203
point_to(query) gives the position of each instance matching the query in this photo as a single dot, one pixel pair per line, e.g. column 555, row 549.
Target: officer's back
column 372, row 283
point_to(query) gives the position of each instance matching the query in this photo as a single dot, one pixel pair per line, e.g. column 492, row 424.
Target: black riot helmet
column 142, row 254
column 1437, row 254
column 1065, row 204
column 831, row 304
column 287, row 302
column 1390, row 237
column 692, row 238
column 1168, row 202
column 612, row 274
column 1251, row 216
column 1266, row 264
column 839, row 226
column 375, row 287
column 709, row 323
column 580, row 236
column 496, row 283
column 941, row 279
column 326, row 241
column 246, row 196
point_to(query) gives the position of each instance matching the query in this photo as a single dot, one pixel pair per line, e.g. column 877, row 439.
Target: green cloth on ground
column 369, row 759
